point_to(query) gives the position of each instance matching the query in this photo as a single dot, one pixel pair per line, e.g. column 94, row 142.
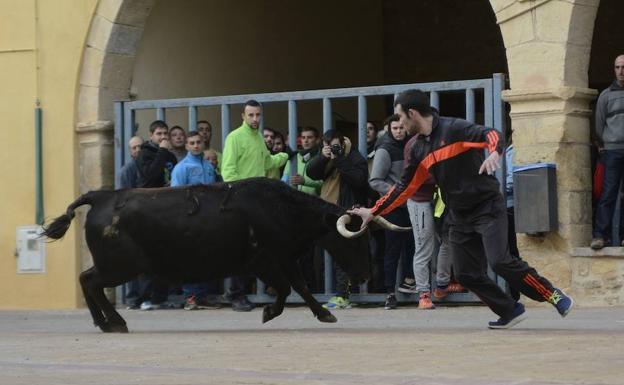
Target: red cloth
column 598, row 181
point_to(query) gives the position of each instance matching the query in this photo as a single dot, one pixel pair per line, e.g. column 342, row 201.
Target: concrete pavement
column 449, row 345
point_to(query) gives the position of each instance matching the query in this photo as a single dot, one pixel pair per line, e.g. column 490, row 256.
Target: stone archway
column 105, row 76
column 547, row 44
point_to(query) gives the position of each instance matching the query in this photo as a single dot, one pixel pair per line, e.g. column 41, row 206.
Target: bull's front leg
column 277, row 281
column 296, row 280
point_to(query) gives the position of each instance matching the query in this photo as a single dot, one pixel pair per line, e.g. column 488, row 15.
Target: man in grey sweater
column 610, row 132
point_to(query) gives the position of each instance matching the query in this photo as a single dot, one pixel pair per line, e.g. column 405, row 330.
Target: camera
column 336, row 149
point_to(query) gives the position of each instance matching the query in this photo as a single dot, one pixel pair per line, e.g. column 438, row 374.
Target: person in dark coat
column 344, row 172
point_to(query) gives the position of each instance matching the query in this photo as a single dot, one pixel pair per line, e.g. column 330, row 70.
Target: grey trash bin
column 535, row 198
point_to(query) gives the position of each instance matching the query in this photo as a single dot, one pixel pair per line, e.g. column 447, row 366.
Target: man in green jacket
column 245, row 156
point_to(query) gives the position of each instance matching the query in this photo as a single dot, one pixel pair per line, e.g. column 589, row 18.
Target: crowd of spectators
column 328, row 166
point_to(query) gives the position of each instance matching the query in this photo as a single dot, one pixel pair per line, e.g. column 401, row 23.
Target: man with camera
column 344, row 172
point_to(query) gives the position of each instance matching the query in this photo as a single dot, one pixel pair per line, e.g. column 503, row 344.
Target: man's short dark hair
column 157, row 124
column 414, row 100
column 310, row 129
column 251, row 103
column 328, row 136
column 205, row 122
column 191, row 134
column 267, row 128
column 177, row 128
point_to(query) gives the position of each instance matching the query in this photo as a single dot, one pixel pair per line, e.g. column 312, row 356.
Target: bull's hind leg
column 96, row 312
column 293, row 272
column 93, row 288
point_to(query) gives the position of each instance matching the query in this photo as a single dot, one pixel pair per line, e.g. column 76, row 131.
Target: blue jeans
column 613, row 161
column 199, row 289
column 398, row 244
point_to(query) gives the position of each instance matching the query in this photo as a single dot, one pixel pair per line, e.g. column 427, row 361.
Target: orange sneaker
column 455, row 288
column 441, row 293
column 424, row 302
column 450, row 288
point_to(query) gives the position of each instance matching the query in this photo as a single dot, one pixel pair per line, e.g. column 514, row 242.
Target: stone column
column 105, row 77
column 96, row 171
column 548, row 43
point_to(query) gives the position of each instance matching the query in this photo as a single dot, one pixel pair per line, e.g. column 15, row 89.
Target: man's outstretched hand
column 490, row 164
column 364, row 213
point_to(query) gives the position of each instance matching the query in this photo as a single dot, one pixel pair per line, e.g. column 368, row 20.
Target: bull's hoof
column 113, row 328
column 267, row 314
column 329, row 318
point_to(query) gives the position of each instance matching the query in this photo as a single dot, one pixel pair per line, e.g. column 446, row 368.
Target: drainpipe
column 38, row 167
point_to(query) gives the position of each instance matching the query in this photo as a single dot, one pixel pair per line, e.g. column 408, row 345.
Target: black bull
column 192, row 234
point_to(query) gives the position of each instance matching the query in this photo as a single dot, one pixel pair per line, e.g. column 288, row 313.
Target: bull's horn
column 341, row 226
column 381, row 221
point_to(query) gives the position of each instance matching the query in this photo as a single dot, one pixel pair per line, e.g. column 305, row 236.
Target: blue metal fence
column 493, row 110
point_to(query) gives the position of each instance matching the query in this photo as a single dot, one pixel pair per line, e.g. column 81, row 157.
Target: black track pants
column 479, row 237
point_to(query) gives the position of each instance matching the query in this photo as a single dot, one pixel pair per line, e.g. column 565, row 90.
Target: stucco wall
column 39, row 60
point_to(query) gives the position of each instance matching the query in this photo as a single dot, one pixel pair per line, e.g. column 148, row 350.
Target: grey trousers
column 425, row 239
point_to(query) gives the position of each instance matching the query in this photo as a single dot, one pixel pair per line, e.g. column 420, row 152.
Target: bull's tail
column 60, row 225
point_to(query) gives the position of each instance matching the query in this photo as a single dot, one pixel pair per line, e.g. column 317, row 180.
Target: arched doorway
column 164, row 49
column 607, row 44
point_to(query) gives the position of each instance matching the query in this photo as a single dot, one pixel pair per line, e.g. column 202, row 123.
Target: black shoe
column 242, row 304
column 516, row 317
column 391, row 302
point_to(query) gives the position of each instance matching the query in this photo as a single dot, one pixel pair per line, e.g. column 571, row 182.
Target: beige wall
column 39, row 60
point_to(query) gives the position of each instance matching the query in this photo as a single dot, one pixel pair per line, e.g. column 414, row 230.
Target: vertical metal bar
column 225, row 130
column 39, row 215
column 119, row 146
column 470, row 105
column 434, row 99
column 161, row 114
column 192, row 118
column 128, row 132
column 498, row 85
column 260, row 287
column 329, row 273
column 327, row 265
column 292, row 133
column 120, row 150
column 362, row 118
column 327, row 114
column 488, row 105
column 225, row 123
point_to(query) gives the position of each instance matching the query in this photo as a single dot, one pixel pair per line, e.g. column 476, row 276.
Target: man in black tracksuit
column 451, row 150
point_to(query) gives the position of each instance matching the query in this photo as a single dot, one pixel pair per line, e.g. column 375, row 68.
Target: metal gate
column 485, row 93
